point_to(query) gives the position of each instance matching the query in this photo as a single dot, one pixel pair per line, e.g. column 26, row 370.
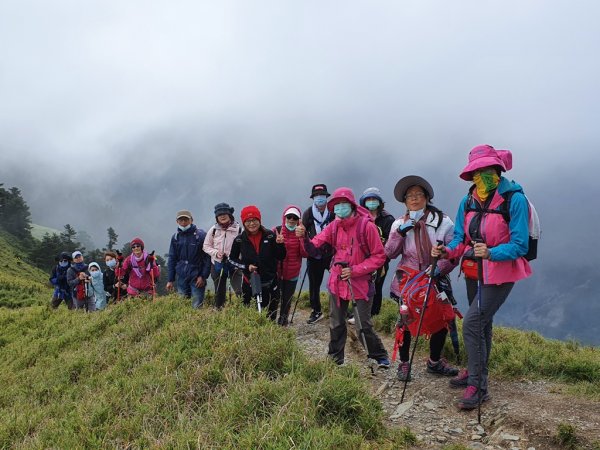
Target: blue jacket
column 186, row 258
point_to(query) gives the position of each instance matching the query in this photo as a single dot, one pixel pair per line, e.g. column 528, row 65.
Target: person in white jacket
column 217, row 244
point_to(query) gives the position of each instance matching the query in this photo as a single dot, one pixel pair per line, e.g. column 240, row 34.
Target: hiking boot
column 441, row 368
column 314, row 317
column 460, row 381
column 383, row 363
column 402, row 374
column 470, row 398
column 283, row 321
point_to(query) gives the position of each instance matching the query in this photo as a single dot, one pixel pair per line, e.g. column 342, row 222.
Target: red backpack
column 438, row 314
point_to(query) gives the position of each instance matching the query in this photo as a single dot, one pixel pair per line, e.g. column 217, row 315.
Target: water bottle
column 403, row 315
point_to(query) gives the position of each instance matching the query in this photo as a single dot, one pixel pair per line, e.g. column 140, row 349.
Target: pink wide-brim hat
column 485, row 155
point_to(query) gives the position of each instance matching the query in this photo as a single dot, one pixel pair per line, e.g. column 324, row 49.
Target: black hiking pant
column 316, row 271
column 288, row 287
column 436, row 345
column 378, row 297
column 338, row 330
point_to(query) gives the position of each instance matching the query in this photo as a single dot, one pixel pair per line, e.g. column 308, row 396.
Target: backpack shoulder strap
column 362, row 236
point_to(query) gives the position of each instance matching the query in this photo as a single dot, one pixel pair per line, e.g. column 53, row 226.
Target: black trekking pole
column 425, row 302
column 361, row 331
column 298, row 295
column 479, row 352
column 256, row 285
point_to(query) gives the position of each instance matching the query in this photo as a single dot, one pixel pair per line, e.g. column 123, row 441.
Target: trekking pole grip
column 435, row 260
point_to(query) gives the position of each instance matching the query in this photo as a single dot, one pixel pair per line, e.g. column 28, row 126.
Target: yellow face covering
column 485, row 182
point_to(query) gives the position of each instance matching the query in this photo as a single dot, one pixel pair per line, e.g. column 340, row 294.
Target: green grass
column 20, row 283
column 38, row 231
column 160, row 374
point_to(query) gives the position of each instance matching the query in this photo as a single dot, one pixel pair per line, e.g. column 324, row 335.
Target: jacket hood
column 346, row 194
column 287, row 210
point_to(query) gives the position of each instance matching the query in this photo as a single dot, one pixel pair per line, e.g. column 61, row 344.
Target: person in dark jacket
column 187, row 261
column 114, row 278
column 258, row 250
column 314, row 220
column 58, row 278
column 78, row 279
column 371, row 200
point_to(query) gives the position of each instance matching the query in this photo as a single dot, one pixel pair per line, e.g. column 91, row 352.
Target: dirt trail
column 520, row 415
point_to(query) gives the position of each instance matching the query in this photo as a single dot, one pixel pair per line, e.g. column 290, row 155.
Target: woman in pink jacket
column 142, row 270
column 356, row 242
column 483, row 234
column 288, row 270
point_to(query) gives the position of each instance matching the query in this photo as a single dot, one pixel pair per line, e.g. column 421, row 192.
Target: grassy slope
column 20, row 283
column 526, row 354
column 160, row 374
column 38, row 231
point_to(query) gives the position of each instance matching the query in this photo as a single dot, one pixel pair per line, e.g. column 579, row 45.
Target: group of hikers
column 354, row 241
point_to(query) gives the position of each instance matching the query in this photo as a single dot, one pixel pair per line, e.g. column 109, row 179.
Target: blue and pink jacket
column 507, row 243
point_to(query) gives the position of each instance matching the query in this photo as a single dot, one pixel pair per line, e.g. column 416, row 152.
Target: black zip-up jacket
column 308, row 220
column 270, row 252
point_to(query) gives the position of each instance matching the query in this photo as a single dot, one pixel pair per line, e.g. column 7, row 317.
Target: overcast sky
column 118, row 113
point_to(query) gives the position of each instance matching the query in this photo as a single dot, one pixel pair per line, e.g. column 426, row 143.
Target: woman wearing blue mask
column 97, row 286
column 358, row 253
column 372, row 200
column 315, row 219
column 288, row 270
column 413, row 236
column 114, row 277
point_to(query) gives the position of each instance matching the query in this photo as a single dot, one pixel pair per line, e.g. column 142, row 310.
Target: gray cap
column 412, row 180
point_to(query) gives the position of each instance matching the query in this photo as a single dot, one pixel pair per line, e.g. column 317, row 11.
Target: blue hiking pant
column 188, row 289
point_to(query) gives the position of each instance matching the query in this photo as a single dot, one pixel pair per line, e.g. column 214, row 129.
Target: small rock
column 515, row 448
column 472, row 422
column 382, row 388
column 509, row 437
column 401, row 409
column 478, row 429
column 441, row 438
column 429, row 429
column 455, row 430
column 530, row 448
column 476, row 446
column 476, row 437
column 430, row 406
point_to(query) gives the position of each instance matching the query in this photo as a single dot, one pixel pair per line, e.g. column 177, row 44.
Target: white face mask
column 187, row 227
column 416, row 215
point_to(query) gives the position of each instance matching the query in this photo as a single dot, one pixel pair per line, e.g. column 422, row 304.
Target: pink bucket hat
column 486, row 156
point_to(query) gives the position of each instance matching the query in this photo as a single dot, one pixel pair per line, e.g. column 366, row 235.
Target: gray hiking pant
column 492, row 298
column 338, row 331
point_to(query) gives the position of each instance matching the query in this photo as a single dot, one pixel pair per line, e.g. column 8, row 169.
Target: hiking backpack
column 535, row 230
column 438, row 314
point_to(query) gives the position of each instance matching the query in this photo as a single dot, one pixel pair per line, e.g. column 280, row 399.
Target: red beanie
column 250, row 212
column 137, row 240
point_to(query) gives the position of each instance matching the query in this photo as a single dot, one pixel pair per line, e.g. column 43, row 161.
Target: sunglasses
column 136, row 246
column 292, row 217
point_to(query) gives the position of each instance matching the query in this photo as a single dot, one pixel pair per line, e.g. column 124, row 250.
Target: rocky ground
column 520, row 415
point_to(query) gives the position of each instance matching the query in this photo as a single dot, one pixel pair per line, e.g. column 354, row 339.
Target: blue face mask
column 96, row 274
column 184, row 228
column 63, row 263
column 290, row 227
column 342, row 210
column 372, row 205
column 320, row 200
column 112, row 263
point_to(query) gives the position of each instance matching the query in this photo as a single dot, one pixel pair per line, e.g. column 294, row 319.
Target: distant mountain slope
column 21, row 284
column 38, row 231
